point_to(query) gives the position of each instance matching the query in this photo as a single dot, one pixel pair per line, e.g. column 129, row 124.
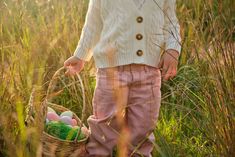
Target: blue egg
column 67, row 113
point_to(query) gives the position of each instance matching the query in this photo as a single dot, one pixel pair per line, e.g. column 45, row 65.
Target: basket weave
column 53, row 146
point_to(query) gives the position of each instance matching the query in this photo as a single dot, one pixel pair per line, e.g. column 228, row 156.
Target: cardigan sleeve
column 171, row 26
column 90, row 32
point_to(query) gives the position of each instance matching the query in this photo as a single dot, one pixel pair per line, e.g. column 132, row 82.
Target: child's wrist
column 173, row 53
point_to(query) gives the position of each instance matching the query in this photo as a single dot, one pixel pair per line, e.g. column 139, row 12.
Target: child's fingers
column 69, row 72
column 71, row 61
column 170, row 73
column 67, row 63
column 67, row 67
column 167, row 75
column 173, row 71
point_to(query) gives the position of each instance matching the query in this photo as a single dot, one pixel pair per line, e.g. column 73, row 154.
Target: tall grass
column 35, row 38
column 198, row 106
column 197, row 117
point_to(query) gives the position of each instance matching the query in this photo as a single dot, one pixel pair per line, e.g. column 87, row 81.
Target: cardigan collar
column 146, row 7
column 139, row 5
column 132, row 4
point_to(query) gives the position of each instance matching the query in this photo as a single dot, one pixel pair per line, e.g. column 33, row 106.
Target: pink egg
column 74, row 122
column 52, row 116
column 66, row 120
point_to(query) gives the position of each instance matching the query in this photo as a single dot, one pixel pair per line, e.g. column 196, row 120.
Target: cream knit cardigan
column 117, row 32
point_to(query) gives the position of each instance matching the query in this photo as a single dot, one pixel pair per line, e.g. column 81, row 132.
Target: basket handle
column 55, row 77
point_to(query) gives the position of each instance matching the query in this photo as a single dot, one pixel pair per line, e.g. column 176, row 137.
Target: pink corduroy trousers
column 136, row 89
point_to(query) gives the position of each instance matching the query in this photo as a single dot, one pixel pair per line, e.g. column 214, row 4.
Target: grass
column 197, row 113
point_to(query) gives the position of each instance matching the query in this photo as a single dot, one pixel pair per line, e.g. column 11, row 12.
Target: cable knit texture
column 110, row 29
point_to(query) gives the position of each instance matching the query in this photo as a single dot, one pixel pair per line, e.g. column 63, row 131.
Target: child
column 126, row 38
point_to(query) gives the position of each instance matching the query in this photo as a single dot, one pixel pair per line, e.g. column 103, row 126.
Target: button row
column 139, row 19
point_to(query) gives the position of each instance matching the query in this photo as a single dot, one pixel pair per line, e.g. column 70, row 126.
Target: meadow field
column 197, row 117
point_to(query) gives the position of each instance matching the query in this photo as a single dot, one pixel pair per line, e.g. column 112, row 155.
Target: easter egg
column 49, row 109
column 52, row 116
column 74, row 122
column 63, row 131
column 66, row 120
column 66, row 113
column 60, row 130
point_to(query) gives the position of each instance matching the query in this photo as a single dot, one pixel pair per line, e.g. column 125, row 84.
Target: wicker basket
column 55, row 147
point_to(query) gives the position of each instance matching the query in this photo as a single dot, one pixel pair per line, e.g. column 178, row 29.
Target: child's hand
column 168, row 64
column 73, row 65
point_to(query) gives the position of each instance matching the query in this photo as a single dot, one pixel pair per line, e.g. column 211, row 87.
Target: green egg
column 63, row 131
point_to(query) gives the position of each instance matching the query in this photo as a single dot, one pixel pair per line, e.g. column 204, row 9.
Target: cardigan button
column 139, row 19
column 139, row 36
column 139, row 53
